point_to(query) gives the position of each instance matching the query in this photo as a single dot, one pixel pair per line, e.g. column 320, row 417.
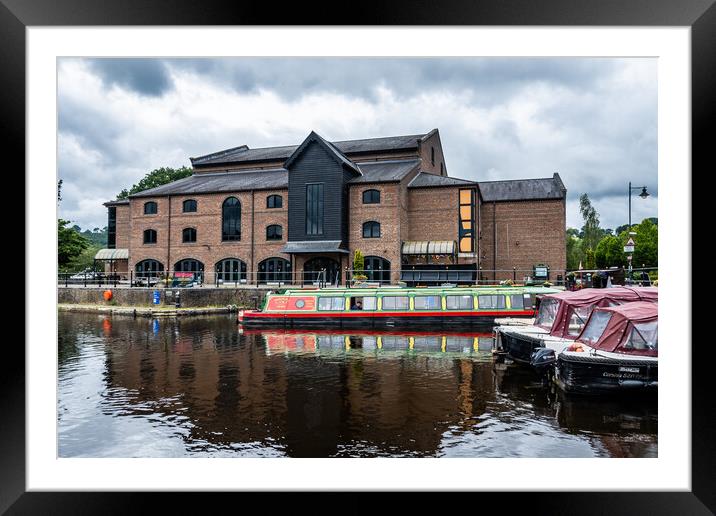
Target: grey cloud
column 145, row 76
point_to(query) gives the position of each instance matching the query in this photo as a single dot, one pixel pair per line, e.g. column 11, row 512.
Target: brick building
column 284, row 214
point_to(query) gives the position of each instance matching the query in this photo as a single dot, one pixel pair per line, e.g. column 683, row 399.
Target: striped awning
column 429, row 247
column 112, row 254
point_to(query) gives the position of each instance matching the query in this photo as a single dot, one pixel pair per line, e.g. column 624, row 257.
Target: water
column 195, row 387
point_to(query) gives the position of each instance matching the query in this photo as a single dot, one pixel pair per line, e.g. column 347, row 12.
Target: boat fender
column 542, row 358
column 107, row 294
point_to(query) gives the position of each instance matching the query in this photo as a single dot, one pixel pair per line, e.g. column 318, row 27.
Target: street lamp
column 644, row 194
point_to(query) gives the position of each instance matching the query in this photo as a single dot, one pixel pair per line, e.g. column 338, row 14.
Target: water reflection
column 198, row 387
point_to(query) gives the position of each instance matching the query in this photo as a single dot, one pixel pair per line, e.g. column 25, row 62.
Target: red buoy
column 107, row 295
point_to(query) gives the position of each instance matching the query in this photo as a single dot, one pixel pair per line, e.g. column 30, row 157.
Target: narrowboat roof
column 368, row 291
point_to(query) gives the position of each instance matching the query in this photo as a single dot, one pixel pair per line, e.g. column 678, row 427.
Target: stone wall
column 189, row 297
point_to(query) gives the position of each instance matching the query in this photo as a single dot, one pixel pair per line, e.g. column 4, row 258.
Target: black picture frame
column 699, row 15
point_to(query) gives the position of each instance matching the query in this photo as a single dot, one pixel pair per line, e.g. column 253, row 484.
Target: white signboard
column 628, row 248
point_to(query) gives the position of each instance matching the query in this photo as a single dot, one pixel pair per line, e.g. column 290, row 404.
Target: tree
column 156, row 177
column 358, row 263
column 592, row 232
column 70, row 243
column 610, row 252
column 646, row 244
column 574, row 249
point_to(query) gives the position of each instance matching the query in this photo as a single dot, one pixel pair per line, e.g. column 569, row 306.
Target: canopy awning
column 429, row 247
column 310, row 246
column 112, row 254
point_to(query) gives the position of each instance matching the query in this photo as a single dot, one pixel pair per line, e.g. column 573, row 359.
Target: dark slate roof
column 523, row 189
column 328, row 146
column 117, row 202
column 244, row 154
column 385, row 171
column 426, row 180
column 222, row 182
column 323, row 246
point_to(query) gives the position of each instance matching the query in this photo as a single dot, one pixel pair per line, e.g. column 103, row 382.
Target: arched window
column 371, row 197
column 231, row 219
column 150, row 236
column 274, row 232
column 188, row 235
column 147, row 268
column 189, row 206
column 190, row 265
column 377, row 269
column 274, row 270
column 274, row 201
column 150, row 208
column 231, row 269
column 371, row 229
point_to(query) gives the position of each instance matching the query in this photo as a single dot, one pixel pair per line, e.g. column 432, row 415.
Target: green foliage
column 610, row 252
column 85, row 259
column 156, row 177
column 589, row 262
column 358, row 263
column 592, row 232
column 70, row 244
column 646, row 248
column 574, row 249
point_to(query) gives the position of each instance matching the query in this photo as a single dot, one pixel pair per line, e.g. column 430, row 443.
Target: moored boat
column 616, row 351
column 560, row 320
column 392, row 307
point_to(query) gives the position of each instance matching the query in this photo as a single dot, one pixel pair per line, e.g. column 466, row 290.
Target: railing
column 323, row 278
column 643, row 276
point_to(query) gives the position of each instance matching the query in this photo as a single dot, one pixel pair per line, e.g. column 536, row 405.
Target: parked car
column 87, row 274
column 146, row 281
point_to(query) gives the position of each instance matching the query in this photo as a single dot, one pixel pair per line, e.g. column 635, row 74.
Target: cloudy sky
column 593, row 120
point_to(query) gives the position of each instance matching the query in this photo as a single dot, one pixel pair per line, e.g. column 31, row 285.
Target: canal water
column 196, row 387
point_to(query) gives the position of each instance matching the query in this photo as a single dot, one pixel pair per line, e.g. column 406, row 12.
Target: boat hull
column 519, row 347
column 596, row 375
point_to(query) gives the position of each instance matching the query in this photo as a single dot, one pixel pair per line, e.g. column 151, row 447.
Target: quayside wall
column 188, row 297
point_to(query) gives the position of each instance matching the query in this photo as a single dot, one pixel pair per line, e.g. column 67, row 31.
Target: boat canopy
column 630, row 328
column 566, row 313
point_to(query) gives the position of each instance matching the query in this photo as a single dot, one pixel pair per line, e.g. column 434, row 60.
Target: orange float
column 107, row 295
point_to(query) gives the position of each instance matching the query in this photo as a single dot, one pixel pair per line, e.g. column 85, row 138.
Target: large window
column 274, row 270
column 466, row 230
column 231, row 219
column 150, row 208
column 274, row 232
column 371, row 229
column 371, row 197
column 578, row 318
column 149, row 268
column 150, row 236
column 547, row 312
column 189, row 206
column 597, row 324
column 377, row 269
column 427, row 303
column 395, row 303
column 458, row 302
column 188, row 235
column 231, row 269
column 488, row 301
column 190, row 265
column 274, row 201
column 643, row 336
column 111, row 227
column 314, row 209
column 331, row 303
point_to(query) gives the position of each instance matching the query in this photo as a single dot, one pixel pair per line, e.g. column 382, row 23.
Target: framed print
column 353, row 174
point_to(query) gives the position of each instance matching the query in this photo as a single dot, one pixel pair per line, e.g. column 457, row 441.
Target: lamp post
column 644, row 194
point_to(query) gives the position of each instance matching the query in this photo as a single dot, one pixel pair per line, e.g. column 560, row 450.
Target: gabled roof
column 256, row 179
column 427, row 180
column 243, row 154
column 337, row 155
column 523, row 189
column 385, row 171
column 117, row 202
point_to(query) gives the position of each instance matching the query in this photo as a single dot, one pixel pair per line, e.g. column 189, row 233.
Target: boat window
column 331, row 303
column 427, row 302
column 395, row 303
column 643, row 336
column 596, row 326
column 547, row 312
column 370, row 303
column 517, row 302
column 458, row 302
column 577, row 319
column 528, row 301
column 362, row 303
column 491, row 301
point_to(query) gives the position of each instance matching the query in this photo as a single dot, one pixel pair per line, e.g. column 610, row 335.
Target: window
column 529, row 301
column 188, row 235
column 595, row 328
column 274, row 232
column 231, row 220
column 189, row 206
column 490, row 301
column 427, row 303
column 314, row 209
column 362, row 303
column 547, row 312
column 370, row 303
column 395, row 303
column 273, row 270
column 432, row 155
column 371, row 197
column 442, row 170
column 517, row 302
column 331, row 303
column 458, row 302
column 150, row 236
column 274, row 201
column 466, row 228
column 111, row 227
column 371, row 229
column 150, row 208
column 643, row 336
column 231, row 269
column 190, row 265
column 147, row 268
column 377, row 269
column 577, row 319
